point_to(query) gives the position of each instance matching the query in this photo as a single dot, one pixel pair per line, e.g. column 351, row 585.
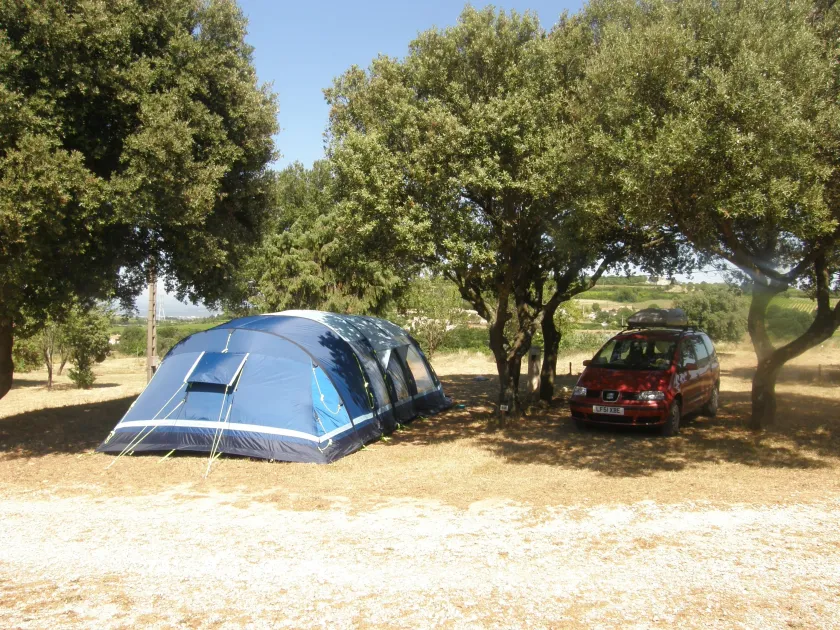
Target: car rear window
column 636, row 353
column 701, row 352
column 708, row 343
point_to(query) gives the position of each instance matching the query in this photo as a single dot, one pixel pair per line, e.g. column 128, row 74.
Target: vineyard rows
column 799, row 304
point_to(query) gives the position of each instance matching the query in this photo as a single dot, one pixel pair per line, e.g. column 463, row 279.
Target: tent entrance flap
column 217, row 368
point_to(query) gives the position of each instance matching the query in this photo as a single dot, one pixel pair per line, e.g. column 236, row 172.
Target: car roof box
column 658, row 318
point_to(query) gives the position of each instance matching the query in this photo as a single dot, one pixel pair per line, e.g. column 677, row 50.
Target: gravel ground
column 222, row 560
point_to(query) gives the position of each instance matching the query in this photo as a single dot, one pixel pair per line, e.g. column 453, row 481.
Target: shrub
column 26, row 355
column 719, row 310
column 465, row 338
column 432, row 310
column 167, row 337
column 583, row 342
column 133, row 338
column 133, row 341
column 623, row 315
column 87, row 339
column 628, row 295
column 787, row 323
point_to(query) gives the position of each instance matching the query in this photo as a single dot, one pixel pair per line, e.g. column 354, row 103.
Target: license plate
column 613, row 411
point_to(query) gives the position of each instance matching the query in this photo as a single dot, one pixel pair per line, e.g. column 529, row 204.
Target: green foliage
column 87, row 336
column 628, row 295
column 26, row 355
column 578, row 341
column 305, row 262
column 603, row 317
column 466, row 157
column 621, row 280
column 596, row 307
column 132, row 341
column 787, row 323
column 720, row 311
column 623, row 314
column 432, row 310
column 133, row 133
column 466, row 338
column 133, row 338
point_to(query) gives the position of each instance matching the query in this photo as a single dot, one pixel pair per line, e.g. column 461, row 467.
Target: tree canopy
column 304, row 262
column 722, row 119
column 468, row 157
column 135, row 139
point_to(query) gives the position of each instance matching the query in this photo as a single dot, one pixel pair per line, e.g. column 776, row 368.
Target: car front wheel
column 672, row 424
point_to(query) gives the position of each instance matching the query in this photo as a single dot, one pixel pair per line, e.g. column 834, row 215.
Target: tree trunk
column 764, row 395
column 7, row 365
column 548, row 372
column 508, row 370
column 48, row 362
column 62, row 364
column 756, row 318
column 515, row 368
column 770, row 360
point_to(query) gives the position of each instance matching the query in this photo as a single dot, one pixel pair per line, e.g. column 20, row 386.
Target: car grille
column 610, row 396
column 596, row 393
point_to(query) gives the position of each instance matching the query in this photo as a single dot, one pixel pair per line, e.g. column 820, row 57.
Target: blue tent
column 301, row 386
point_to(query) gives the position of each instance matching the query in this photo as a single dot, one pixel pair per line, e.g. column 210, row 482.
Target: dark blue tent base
column 260, row 446
column 162, row 439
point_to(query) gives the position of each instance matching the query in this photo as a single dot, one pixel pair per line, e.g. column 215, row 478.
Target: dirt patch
column 204, row 563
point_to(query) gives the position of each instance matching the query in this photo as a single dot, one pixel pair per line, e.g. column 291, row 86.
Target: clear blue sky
column 301, row 45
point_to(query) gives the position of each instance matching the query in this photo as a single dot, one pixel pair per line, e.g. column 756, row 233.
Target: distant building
column 660, row 282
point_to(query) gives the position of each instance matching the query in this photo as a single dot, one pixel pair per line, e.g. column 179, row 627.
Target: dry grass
column 115, row 378
column 447, row 524
column 47, row 441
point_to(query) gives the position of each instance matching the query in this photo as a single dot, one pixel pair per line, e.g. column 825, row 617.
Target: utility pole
column 151, row 328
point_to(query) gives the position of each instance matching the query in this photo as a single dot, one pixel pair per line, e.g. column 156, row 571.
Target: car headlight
column 651, row 395
column 579, row 391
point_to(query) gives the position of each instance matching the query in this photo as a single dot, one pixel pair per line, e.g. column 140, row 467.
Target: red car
column 649, row 377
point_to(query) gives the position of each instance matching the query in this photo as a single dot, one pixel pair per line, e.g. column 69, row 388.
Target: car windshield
column 637, row 353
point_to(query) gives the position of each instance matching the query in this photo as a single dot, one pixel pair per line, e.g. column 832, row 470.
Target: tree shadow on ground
column 808, row 435
column 57, row 387
column 809, row 431
column 72, row 429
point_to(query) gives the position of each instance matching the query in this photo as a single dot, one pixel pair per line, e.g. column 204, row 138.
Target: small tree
column 87, row 339
column 720, row 311
column 432, row 310
column 132, row 341
column 52, row 343
column 26, row 356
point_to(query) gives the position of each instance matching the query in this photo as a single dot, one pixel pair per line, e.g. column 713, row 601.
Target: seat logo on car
column 610, row 396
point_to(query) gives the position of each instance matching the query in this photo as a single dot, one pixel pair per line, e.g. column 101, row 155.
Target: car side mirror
column 587, row 362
